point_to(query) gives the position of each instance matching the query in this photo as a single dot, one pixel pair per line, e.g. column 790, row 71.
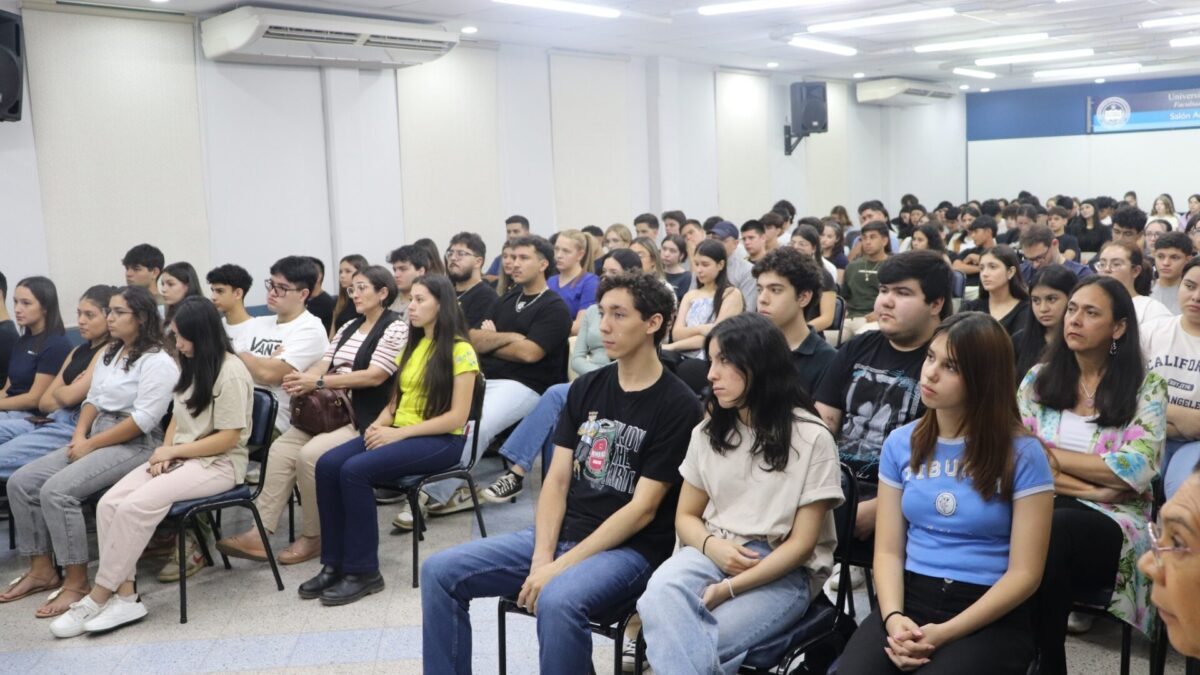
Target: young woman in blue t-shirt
column 965, row 501
column 38, row 353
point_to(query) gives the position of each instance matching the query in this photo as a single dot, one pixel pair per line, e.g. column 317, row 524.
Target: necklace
column 522, row 304
column 1089, row 396
column 463, row 292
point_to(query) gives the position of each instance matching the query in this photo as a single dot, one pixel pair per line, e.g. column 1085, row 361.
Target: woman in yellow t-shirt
column 419, row 432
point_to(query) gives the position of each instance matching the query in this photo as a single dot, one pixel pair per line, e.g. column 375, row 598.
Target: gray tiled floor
column 238, row 622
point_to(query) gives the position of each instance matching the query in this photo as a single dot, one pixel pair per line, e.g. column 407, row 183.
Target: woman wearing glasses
column 120, row 425
column 1104, row 418
column 1123, row 262
column 1174, row 568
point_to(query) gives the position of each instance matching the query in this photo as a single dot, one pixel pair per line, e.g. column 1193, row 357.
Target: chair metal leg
column 181, row 542
column 202, row 540
column 262, row 532
column 871, row 599
column 502, row 634
column 414, row 506
column 639, row 654
column 216, row 526
column 1158, row 648
column 1126, row 646
column 475, row 501
column 291, row 518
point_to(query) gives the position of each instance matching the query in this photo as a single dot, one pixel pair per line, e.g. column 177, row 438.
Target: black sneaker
column 505, row 488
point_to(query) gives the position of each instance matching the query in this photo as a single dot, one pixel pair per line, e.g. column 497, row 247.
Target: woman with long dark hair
column 361, row 362
column 1002, row 292
column 119, row 426
column 343, row 307
column 1041, row 322
column 965, row 499
column 1104, row 418
column 820, row 312
column 755, row 518
column 28, row 437
column 713, row 300
column 177, row 281
column 674, row 252
column 419, row 432
column 833, row 246
column 203, row 453
column 39, row 352
column 1088, row 229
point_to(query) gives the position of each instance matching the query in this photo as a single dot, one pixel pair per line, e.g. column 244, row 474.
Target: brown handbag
column 322, row 411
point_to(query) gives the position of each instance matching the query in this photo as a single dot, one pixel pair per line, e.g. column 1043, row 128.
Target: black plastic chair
column 184, row 514
column 412, row 485
column 958, row 283
column 839, row 318
column 825, row 624
column 8, row 515
column 611, row 626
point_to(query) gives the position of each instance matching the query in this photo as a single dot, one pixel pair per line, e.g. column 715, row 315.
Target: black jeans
column 1085, row 548
column 1003, row 647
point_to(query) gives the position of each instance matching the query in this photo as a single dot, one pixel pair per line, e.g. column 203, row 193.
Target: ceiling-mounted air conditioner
column 900, row 92
column 283, row 37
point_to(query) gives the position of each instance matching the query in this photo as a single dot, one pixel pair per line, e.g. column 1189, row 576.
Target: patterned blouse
column 1133, row 454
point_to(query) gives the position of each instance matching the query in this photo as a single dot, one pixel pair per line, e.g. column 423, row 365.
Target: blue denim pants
column 683, row 636
column 21, row 441
column 535, row 434
column 498, row 566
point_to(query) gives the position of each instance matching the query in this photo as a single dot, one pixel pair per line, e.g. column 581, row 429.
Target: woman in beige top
column 203, row 454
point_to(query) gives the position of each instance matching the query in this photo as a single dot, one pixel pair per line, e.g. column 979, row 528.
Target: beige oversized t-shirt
column 231, row 408
column 746, row 502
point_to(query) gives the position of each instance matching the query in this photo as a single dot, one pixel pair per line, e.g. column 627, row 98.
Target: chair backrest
column 959, row 283
column 844, row 517
column 839, row 314
column 262, row 418
column 473, row 418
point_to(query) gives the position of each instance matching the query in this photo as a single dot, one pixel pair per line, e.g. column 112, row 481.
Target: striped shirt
column 391, row 344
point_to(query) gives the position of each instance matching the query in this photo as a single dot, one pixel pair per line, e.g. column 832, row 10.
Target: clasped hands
column 910, row 646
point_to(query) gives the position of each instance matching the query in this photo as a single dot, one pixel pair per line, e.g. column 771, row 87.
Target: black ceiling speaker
column 11, row 68
column 810, row 113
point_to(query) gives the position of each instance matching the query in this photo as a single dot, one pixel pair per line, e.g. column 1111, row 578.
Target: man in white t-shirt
column 229, row 285
column 1172, row 350
column 290, row 340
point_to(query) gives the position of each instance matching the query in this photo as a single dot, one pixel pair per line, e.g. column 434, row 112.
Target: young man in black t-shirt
column 871, row 388
column 523, row 351
column 464, row 265
column 605, row 518
column 788, row 282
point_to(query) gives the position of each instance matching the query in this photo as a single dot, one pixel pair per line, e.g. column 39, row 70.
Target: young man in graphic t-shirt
column 229, row 285
column 871, row 387
column 523, row 350
column 605, row 518
column 290, row 340
column 1172, row 350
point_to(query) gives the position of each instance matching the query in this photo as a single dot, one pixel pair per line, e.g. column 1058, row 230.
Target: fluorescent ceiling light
column 984, row 90
column 822, row 46
column 964, row 87
column 1035, row 57
column 1186, row 41
column 564, row 6
column 1172, row 21
column 981, row 42
column 882, row 20
column 772, row 64
column 469, row 30
column 1088, row 72
column 1099, row 80
column 859, row 76
column 971, row 72
column 750, row 6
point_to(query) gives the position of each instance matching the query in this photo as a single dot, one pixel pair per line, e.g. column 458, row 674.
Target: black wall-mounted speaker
column 11, row 67
column 810, row 110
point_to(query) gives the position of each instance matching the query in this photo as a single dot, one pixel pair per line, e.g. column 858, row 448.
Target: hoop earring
column 1113, row 349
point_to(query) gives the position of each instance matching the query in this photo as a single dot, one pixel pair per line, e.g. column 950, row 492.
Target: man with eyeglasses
column 290, row 340
column 464, row 266
column 1039, row 247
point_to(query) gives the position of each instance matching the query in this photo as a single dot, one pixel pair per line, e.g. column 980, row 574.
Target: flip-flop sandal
column 51, row 598
column 37, row 589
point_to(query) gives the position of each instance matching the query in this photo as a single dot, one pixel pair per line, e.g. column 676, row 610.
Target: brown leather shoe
column 247, row 545
column 301, row 550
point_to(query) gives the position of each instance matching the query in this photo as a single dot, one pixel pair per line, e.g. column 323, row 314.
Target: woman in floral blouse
column 1104, row 418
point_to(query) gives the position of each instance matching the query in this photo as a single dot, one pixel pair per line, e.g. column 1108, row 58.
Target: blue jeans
column 346, row 502
column 683, row 636
column 21, row 441
column 498, row 566
column 1179, row 458
column 535, row 434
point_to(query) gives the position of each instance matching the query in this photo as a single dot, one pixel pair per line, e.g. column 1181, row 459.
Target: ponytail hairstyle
column 449, row 328
column 715, row 251
column 150, row 328
column 758, row 350
column 186, row 274
column 656, row 266
column 99, row 296
column 585, row 243
column 198, row 322
column 46, row 294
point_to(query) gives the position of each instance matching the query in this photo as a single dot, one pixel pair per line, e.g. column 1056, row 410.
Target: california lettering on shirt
column 602, row 457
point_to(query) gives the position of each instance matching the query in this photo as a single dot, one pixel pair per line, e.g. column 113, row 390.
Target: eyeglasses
column 1106, row 265
column 1155, row 531
column 362, row 288
column 1038, row 260
column 460, row 253
column 279, row 289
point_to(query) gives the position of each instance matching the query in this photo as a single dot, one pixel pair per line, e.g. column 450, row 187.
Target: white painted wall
column 743, row 162
column 525, row 143
column 21, row 216
column 925, row 153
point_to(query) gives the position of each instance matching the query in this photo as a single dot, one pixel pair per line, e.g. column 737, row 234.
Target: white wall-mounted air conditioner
column 900, row 92
column 260, row 35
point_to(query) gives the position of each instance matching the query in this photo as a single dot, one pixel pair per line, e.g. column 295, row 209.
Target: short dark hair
column 917, row 207
column 648, row 218
column 710, row 221
column 984, row 222
column 232, row 276
column 1130, row 218
column 473, row 242
column 800, row 270
column 1011, row 211
column 650, row 297
column 1177, row 240
column 1037, row 234
column 690, row 221
column 755, row 225
column 1189, row 266
column 146, row 255
column 518, row 219
column 786, row 206
column 1131, row 193
column 597, row 232
column 877, row 227
column 990, row 207
column 809, row 220
column 968, row 210
column 297, row 269
column 3, row 285
column 676, row 216
column 543, row 249
column 380, row 278
column 1058, row 211
column 772, row 219
column 1105, row 202
column 928, row 268
column 417, row 256
column 871, row 205
column 1028, row 210
column 319, row 263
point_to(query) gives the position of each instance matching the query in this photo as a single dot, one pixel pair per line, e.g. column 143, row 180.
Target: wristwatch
column 321, row 382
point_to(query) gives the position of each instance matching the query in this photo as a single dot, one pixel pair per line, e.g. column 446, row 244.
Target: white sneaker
column 404, row 519
column 71, row 623
column 857, row 578
column 117, row 612
column 1079, row 623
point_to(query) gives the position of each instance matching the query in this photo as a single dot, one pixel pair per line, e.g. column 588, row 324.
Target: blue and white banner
column 1174, row 109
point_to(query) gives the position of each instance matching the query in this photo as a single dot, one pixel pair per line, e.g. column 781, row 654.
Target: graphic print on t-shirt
column 877, row 402
column 602, row 457
column 264, row 347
